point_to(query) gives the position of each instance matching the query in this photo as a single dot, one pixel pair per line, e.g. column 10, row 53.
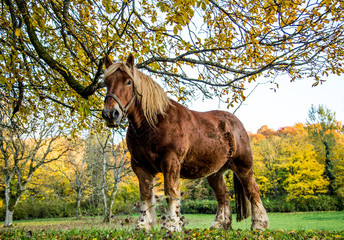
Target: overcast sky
column 285, row 107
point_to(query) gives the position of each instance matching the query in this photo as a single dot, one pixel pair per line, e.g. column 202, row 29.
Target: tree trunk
column 107, row 216
column 103, row 190
column 9, row 209
column 9, row 217
column 109, row 208
column 77, row 206
column 11, row 203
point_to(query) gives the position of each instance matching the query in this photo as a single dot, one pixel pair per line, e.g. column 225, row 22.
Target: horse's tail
column 242, row 204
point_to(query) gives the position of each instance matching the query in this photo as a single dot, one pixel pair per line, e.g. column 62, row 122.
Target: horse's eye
column 128, row 82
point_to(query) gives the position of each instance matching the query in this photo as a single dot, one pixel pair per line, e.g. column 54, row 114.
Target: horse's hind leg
column 147, row 211
column 224, row 214
column 260, row 218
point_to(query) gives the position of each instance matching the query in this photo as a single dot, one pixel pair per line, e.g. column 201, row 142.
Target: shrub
column 199, row 206
column 32, row 209
column 321, row 203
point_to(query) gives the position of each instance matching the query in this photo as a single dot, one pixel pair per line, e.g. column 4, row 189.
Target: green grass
column 329, row 221
column 310, row 225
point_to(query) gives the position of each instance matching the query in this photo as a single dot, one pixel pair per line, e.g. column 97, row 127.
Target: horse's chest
column 145, row 154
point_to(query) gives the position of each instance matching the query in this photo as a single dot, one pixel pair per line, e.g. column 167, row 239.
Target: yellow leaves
column 107, row 5
column 17, row 32
column 163, row 6
column 154, row 66
column 339, row 71
column 183, row 99
column 203, row 4
column 247, row 33
column 175, row 30
column 286, row 160
column 299, row 28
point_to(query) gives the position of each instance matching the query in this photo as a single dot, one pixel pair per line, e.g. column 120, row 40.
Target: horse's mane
column 149, row 94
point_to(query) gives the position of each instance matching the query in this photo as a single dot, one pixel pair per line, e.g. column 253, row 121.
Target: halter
column 123, row 109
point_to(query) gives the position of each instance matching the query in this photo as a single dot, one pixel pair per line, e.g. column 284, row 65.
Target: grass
column 329, row 221
column 310, row 225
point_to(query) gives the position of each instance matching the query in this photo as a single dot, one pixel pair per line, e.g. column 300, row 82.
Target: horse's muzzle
column 112, row 117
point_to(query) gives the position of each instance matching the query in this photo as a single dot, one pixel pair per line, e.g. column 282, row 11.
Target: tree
column 120, row 167
column 196, row 189
column 266, row 148
column 26, row 144
column 286, row 165
column 304, row 175
column 338, row 156
column 77, row 171
column 114, row 158
column 52, row 51
column 323, row 128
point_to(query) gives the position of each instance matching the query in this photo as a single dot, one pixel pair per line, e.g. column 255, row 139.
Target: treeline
column 303, row 161
column 298, row 168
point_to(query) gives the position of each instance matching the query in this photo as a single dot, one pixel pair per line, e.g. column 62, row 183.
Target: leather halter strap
column 123, row 109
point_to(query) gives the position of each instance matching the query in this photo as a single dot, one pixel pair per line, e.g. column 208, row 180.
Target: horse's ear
column 130, row 61
column 107, row 61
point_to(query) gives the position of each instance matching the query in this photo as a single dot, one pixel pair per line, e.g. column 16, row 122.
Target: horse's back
column 229, row 126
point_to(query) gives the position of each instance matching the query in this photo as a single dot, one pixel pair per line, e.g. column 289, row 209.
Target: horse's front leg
column 171, row 171
column 147, row 218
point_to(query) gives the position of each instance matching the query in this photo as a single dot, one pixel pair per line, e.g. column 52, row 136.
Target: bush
column 321, row 203
column 199, row 206
column 32, row 209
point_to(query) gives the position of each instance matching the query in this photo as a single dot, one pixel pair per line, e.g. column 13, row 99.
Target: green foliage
column 32, row 209
column 324, row 131
column 199, row 206
column 320, row 203
column 194, row 189
column 126, row 197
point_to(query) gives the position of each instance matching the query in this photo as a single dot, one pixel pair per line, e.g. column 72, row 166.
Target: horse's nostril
column 110, row 115
column 104, row 114
column 115, row 114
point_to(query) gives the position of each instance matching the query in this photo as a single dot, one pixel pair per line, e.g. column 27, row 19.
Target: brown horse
column 164, row 136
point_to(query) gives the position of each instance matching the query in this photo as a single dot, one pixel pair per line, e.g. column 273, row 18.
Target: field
column 310, row 225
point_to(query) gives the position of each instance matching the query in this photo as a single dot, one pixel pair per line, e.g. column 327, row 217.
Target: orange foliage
column 266, row 131
column 287, row 130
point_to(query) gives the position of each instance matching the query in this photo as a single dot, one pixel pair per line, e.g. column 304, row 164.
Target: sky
column 285, row 107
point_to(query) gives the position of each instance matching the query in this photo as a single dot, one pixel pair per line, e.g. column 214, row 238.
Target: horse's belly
column 202, row 166
column 206, row 155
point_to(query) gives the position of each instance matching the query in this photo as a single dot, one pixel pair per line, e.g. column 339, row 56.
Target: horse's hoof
column 142, row 225
column 260, row 225
column 173, row 224
column 218, row 225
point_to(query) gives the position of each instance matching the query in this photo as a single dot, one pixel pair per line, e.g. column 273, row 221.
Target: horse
column 165, row 137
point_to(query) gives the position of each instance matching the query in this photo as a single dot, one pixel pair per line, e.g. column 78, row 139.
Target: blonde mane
column 149, row 94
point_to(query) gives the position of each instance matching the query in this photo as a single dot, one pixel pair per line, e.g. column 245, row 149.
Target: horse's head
column 120, row 94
